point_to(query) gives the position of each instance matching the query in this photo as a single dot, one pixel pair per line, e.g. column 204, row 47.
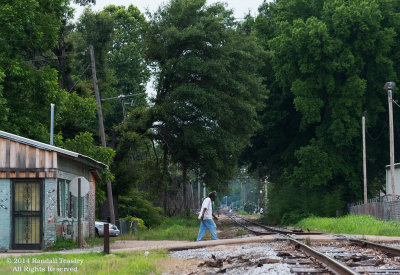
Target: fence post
column 106, row 239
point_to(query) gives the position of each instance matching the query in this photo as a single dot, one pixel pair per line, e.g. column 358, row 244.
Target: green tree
column 207, row 88
column 328, row 61
column 117, row 36
column 27, row 83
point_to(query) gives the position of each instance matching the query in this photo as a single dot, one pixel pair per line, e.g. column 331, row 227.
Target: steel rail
column 251, row 230
column 280, row 231
column 333, row 265
column 384, row 248
column 330, row 263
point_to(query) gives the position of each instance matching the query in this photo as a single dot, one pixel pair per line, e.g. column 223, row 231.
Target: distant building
column 36, row 204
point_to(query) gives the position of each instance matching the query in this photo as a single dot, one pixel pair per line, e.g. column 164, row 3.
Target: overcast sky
column 240, row 7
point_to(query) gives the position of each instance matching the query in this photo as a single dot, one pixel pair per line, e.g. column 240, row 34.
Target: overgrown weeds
column 352, row 224
column 176, row 228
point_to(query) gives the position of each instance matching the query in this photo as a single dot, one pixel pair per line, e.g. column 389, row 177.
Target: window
column 63, row 199
column 67, row 204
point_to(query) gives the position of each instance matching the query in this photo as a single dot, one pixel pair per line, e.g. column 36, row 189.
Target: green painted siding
column 5, row 216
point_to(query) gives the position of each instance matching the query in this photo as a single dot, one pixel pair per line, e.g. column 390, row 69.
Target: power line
column 79, row 79
column 46, row 58
column 380, row 134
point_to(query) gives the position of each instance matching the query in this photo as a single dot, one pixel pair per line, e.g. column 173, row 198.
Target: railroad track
column 359, row 258
column 274, row 230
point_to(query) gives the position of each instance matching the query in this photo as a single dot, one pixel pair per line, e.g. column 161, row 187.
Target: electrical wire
column 79, row 79
column 380, row 134
column 395, row 102
column 46, row 58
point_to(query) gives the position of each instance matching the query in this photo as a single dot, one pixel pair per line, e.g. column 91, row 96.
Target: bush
column 249, row 207
column 293, row 217
column 63, row 244
column 138, row 221
column 134, row 205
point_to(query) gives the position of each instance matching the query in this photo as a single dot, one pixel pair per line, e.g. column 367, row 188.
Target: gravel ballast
column 238, row 259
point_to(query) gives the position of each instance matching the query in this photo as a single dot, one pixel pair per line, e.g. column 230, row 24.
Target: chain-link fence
column 381, row 210
column 127, row 227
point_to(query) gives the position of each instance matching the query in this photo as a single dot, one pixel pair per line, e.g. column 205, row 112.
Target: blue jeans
column 207, row 225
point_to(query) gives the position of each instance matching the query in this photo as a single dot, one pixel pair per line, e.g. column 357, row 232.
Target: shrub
column 63, row 244
column 249, row 207
column 138, row 221
column 134, row 204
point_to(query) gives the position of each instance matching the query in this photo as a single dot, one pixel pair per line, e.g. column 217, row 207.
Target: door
column 27, row 214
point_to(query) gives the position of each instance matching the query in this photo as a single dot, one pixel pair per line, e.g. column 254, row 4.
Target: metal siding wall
column 50, row 212
column 87, row 227
column 5, row 214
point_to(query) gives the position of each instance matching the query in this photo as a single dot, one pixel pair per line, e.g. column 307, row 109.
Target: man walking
column 206, row 216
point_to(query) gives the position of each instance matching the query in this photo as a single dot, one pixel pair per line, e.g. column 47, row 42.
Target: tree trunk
column 64, row 80
column 115, row 204
column 165, row 202
column 260, row 196
column 184, row 189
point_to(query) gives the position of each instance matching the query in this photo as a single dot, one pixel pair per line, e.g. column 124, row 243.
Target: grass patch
column 171, row 229
column 98, row 241
column 66, row 244
column 92, row 263
column 241, row 232
column 351, row 224
column 63, row 244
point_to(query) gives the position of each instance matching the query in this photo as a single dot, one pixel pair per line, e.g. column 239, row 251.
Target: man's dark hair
column 212, row 194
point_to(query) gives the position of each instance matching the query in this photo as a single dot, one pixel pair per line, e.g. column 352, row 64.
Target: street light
column 389, row 87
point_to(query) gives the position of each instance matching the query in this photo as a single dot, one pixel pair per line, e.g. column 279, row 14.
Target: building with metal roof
column 37, row 202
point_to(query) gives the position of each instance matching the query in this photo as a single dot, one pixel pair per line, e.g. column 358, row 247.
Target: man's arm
column 202, row 214
column 214, row 217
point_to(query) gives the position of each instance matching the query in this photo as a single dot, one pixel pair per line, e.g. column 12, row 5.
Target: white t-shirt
column 208, row 213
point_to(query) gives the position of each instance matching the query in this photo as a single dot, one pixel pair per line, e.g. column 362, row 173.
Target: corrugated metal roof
column 79, row 157
column 396, row 165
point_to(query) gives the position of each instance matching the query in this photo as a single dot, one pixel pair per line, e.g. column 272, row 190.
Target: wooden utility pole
column 79, row 214
column 389, row 87
column 97, row 95
column 198, row 190
column 364, row 158
column 101, row 129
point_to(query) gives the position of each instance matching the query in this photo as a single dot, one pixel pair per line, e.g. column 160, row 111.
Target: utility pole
column 79, row 214
column 97, row 95
column 101, row 129
column 389, row 87
column 123, row 106
column 122, row 98
column 266, row 193
column 51, row 124
column 198, row 190
column 364, row 158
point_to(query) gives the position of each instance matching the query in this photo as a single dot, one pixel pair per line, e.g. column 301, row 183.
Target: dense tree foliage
column 294, row 81
column 207, row 88
column 27, row 83
column 328, row 63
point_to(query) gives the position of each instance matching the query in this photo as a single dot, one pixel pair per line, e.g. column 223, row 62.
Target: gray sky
column 240, row 7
